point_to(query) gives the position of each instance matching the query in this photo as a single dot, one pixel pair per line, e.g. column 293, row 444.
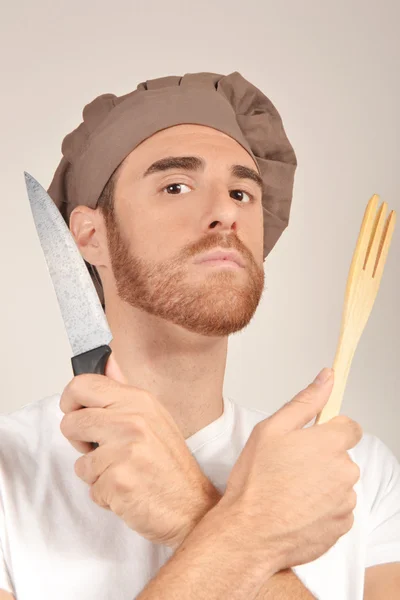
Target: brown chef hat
column 114, row 125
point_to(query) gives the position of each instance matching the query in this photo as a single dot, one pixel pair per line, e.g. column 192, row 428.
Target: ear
column 87, row 229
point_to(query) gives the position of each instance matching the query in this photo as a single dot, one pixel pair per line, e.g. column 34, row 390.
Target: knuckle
column 66, row 423
column 77, row 384
column 355, row 427
column 349, row 432
column 358, row 430
column 355, row 472
column 261, row 425
column 97, row 495
column 306, row 396
column 353, row 498
column 120, row 478
column 356, row 433
column 88, row 418
column 350, row 471
column 80, row 466
column 348, row 422
column 343, row 420
column 348, row 503
column 261, row 431
column 138, row 424
column 348, row 522
column 79, row 419
column 139, row 457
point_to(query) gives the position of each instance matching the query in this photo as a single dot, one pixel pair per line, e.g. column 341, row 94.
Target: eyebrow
column 195, row 163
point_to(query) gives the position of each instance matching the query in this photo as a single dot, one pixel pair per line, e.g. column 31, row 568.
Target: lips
column 216, row 255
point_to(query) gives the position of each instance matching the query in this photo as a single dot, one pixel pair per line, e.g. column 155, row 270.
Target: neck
column 184, row 371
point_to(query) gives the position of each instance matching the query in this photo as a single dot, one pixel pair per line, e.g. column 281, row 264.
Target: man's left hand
column 142, row 470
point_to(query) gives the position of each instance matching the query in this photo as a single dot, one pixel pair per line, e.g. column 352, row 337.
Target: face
column 164, row 220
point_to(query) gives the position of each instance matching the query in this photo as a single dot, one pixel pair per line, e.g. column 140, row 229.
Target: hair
column 106, row 200
column 106, row 204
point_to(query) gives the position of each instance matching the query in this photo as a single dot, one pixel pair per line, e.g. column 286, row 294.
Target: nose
column 224, row 212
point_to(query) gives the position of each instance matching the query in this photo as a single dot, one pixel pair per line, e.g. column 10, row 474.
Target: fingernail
column 323, row 376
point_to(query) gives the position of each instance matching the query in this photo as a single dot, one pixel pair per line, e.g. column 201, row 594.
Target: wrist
column 213, row 562
column 229, row 529
column 266, row 551
column 207, row 497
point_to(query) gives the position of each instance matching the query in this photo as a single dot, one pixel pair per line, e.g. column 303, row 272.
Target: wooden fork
column 362, row 287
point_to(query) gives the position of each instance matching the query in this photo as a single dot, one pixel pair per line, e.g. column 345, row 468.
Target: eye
column 243, row 193
column 175, row 188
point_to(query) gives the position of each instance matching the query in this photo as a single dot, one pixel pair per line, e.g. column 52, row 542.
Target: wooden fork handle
column 341, row 367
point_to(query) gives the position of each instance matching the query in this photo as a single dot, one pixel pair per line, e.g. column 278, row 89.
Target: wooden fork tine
column 360, row 252
column 365, row 232
column 362, row 287
column 375, row 240
column 384, row 248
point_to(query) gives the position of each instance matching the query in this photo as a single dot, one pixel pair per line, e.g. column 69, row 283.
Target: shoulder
column 380, row 472
column 39, row 411
column 25, row 432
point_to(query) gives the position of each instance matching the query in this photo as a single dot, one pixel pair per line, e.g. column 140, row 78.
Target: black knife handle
column 93, row 361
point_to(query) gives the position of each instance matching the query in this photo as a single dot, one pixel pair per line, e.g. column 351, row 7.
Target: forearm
column 283, row 584
column 213, row 562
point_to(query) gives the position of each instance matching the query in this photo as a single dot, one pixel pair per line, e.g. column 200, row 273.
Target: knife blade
column 84, row 319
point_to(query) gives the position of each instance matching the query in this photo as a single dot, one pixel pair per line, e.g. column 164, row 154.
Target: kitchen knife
column 83, row 315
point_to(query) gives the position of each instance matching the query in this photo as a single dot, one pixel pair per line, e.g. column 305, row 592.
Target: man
column 174, row 194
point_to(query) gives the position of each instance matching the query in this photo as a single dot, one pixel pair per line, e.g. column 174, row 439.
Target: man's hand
column 142, row 470
column 292, row 488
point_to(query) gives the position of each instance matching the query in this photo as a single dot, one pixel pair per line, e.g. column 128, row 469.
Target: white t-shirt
column 56, row 543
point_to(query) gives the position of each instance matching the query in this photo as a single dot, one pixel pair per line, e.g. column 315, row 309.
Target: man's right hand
column 291, row 490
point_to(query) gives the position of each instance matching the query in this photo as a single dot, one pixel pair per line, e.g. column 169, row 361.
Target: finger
column 90, row 467
column 115, row 485
column 82, row 447
column 90, row 390
column 99, row 490
column 344, row 432
column 90, row 425
column 303, row 407
column 97, row 425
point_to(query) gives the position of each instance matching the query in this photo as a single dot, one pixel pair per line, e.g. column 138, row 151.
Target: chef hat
column 114, row 125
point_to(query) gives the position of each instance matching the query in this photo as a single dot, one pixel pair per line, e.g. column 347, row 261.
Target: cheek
column 156, row 238
column 253, row 226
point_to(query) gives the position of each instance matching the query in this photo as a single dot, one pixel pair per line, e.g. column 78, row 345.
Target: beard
column 205, row 300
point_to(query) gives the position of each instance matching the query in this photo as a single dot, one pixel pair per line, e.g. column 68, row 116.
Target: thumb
column 113, row 371
column 304, row 406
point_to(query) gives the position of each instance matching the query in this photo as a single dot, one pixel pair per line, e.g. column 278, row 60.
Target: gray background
column 331, row 69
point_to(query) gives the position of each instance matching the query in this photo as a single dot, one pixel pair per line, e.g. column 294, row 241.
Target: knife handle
column 92, row 361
